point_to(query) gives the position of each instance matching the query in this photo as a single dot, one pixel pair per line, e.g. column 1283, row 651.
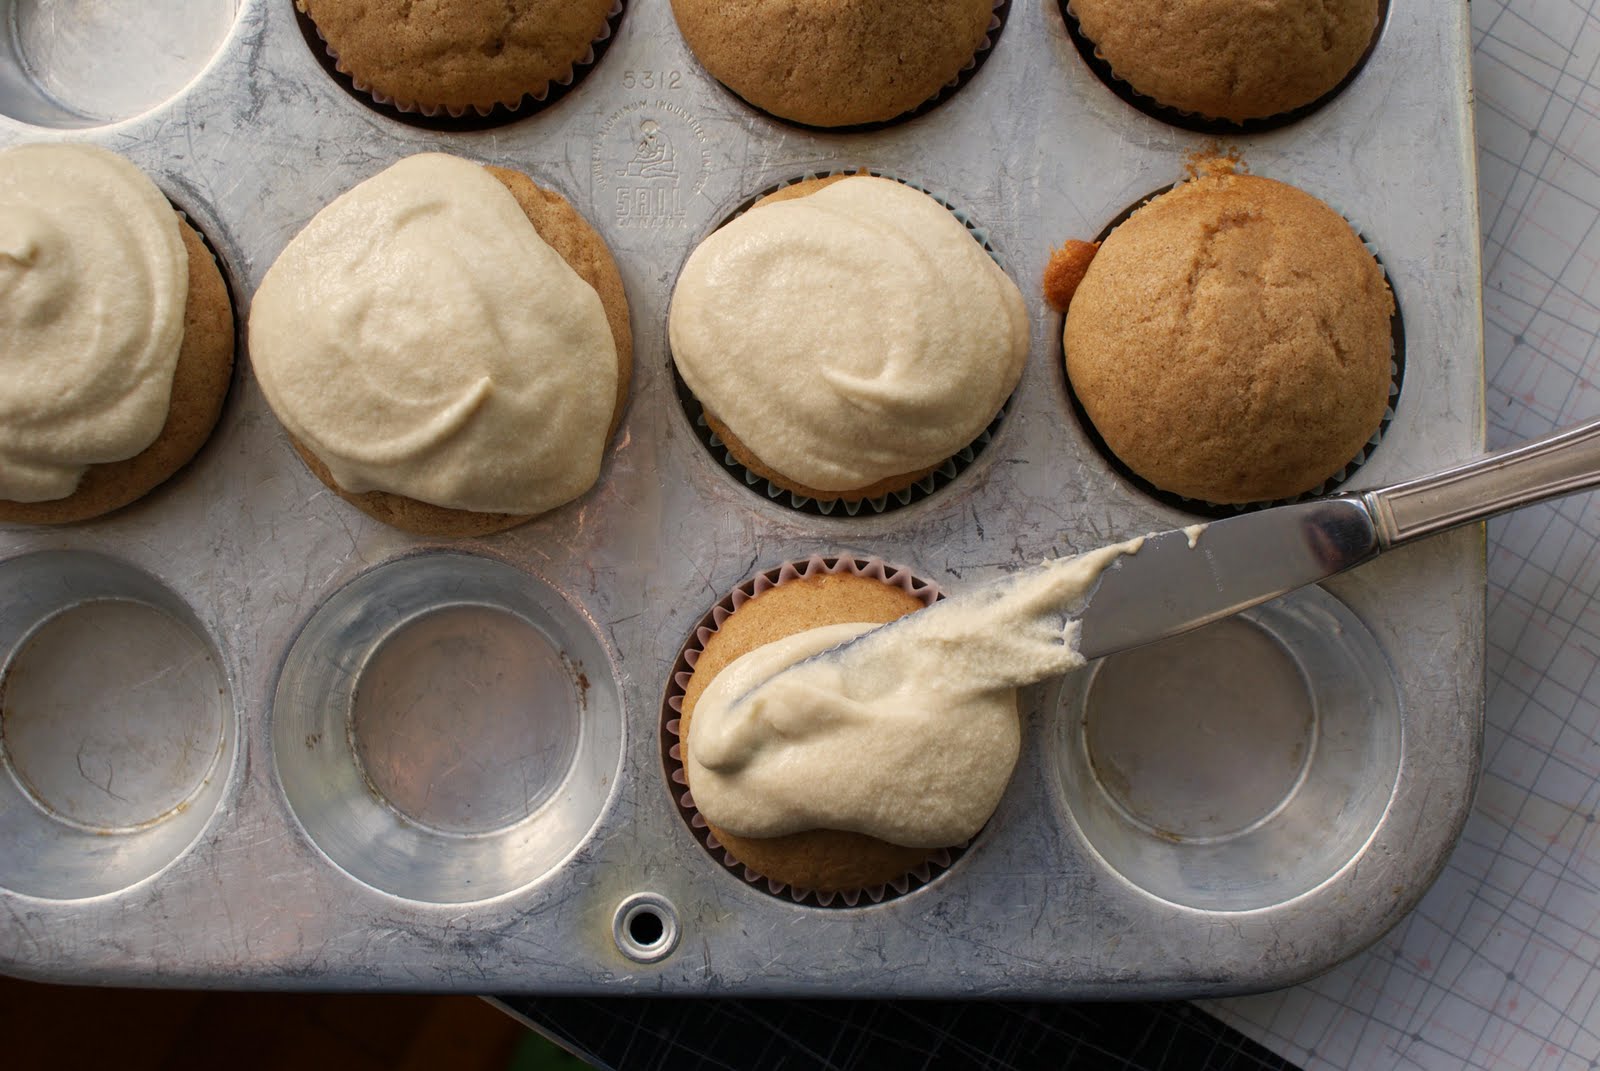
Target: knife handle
column 1555, row 465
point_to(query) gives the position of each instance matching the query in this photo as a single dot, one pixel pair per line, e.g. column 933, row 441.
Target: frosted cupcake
column 448, row 347
column 827, row 753
column 846, row 336
column 116, row 335
column 799, row 604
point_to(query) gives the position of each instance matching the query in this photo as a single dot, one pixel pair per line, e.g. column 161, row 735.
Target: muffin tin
column 253, row 738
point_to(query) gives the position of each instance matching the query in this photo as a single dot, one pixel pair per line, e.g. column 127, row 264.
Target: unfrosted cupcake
column 1222, row 59
column 426, row 55
column 116, row 330
column 448, row 347
column 846, row 336
column 839, row 62
column 1231, row 340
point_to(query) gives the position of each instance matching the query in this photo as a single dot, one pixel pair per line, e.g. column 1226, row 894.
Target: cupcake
column 814, row 604
column 846, row 336
column 117, row 334
column 448, row 347
column 1222, row 59
column 839, row 63
column 454, row 56
column 1230, row 341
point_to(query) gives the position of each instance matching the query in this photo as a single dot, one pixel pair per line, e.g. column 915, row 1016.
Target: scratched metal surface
column 1036, row 150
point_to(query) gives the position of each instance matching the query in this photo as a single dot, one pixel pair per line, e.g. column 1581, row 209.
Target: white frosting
column 420, row 338
column 908, row 734
column 94, row 282
column 849, row 335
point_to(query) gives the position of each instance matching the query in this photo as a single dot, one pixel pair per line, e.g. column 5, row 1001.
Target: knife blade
column 1189, row 577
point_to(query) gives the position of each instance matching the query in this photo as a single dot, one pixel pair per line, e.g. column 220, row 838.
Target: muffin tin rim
column 345, row 963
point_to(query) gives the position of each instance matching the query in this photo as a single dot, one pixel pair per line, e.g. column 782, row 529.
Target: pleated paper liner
column 928, row 593
column 199, row 227
column 945, row 473
column 464, row 119
column 997, row 23
column 1221, row 511
column 1205, row 124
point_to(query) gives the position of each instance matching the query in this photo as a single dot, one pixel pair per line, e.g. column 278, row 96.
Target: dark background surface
column 712, row 1035
column 65, row 1028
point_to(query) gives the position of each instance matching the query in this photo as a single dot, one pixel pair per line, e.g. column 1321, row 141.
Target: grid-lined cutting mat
column 1499, row 967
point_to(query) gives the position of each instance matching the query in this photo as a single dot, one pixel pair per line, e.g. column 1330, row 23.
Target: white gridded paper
column 1499, row 966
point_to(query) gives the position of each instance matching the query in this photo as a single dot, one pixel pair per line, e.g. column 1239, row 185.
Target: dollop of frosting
column 908, row 734
column 94, row 283
column 420, row 338
column 849, row 335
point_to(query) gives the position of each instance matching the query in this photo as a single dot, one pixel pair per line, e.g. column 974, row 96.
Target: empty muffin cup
column 1240, row 765
column 447, row 728
column 75, row 65
column 117, row 722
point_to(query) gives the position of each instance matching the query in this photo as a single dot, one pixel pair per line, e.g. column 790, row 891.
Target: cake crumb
column 1066, row 270
column 1213, row 160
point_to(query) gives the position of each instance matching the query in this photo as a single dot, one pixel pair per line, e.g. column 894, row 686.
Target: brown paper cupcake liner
column 997, row 23
column 945, row 473
column 1197, row 121
column 199, row 227
column 1219, row 510
column 439, row 117
column 938, row 861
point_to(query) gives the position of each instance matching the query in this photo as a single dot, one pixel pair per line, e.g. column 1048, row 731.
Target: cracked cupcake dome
column 1221, row 59
column 1231, row 340
column 461, row 54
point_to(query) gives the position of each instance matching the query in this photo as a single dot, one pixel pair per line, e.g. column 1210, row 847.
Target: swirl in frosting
column 94, row 283
column 420, row 338
column 850, row 335
column 908, row 734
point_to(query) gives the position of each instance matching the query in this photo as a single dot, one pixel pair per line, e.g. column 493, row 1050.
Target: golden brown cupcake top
column 1231, row 340
column 834, row 62
column 1226, row 59
column 458, row 53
